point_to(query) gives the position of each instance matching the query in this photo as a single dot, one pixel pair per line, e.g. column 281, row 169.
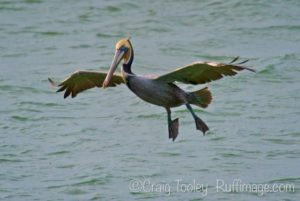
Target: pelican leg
column 200, row 125
column 172, row 125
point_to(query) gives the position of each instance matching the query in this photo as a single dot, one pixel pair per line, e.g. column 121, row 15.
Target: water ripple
column 91, row 147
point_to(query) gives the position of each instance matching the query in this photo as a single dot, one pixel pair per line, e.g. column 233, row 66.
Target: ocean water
column 108, row 144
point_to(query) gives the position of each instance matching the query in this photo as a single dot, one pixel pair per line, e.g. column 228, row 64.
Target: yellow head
column 123, row 52
column 125, row 46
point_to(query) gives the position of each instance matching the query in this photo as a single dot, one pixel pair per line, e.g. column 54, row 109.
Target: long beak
column 114, row 64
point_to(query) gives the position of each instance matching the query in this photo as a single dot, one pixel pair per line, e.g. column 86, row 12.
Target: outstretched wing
column 203, row 72
column 83, row 80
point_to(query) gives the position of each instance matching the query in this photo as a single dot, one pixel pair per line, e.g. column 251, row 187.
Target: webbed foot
column 173, row 129
column 200, row 125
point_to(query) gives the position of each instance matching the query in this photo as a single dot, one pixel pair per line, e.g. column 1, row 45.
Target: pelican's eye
column 123, row 48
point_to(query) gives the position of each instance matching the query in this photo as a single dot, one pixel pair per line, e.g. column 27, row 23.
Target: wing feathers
column 83, row 80
column 234, row 60
column 244, row 61
column 62, row 88
column 203, row 72
column 67, row 93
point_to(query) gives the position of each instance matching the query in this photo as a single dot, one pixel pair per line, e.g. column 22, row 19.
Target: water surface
column 92, row 147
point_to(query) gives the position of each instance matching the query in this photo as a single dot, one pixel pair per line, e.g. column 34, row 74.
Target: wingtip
column 239, row 64
column 250, row 69
column 52, row 82
column 234, row 60
column 244, row 61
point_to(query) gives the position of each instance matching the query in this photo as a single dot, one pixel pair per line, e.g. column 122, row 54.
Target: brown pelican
column 158, row 90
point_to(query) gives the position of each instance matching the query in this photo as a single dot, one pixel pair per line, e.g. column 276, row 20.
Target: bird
column 160, row 90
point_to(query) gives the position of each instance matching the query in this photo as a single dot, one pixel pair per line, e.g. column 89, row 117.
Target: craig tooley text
column 147, row 185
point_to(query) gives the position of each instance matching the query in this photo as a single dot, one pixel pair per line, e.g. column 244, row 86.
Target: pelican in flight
column 159, row 90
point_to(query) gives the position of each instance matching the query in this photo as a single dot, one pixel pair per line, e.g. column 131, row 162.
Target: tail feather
column 201, row 98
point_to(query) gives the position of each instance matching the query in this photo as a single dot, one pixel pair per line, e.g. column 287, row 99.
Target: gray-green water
column 94, row 146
